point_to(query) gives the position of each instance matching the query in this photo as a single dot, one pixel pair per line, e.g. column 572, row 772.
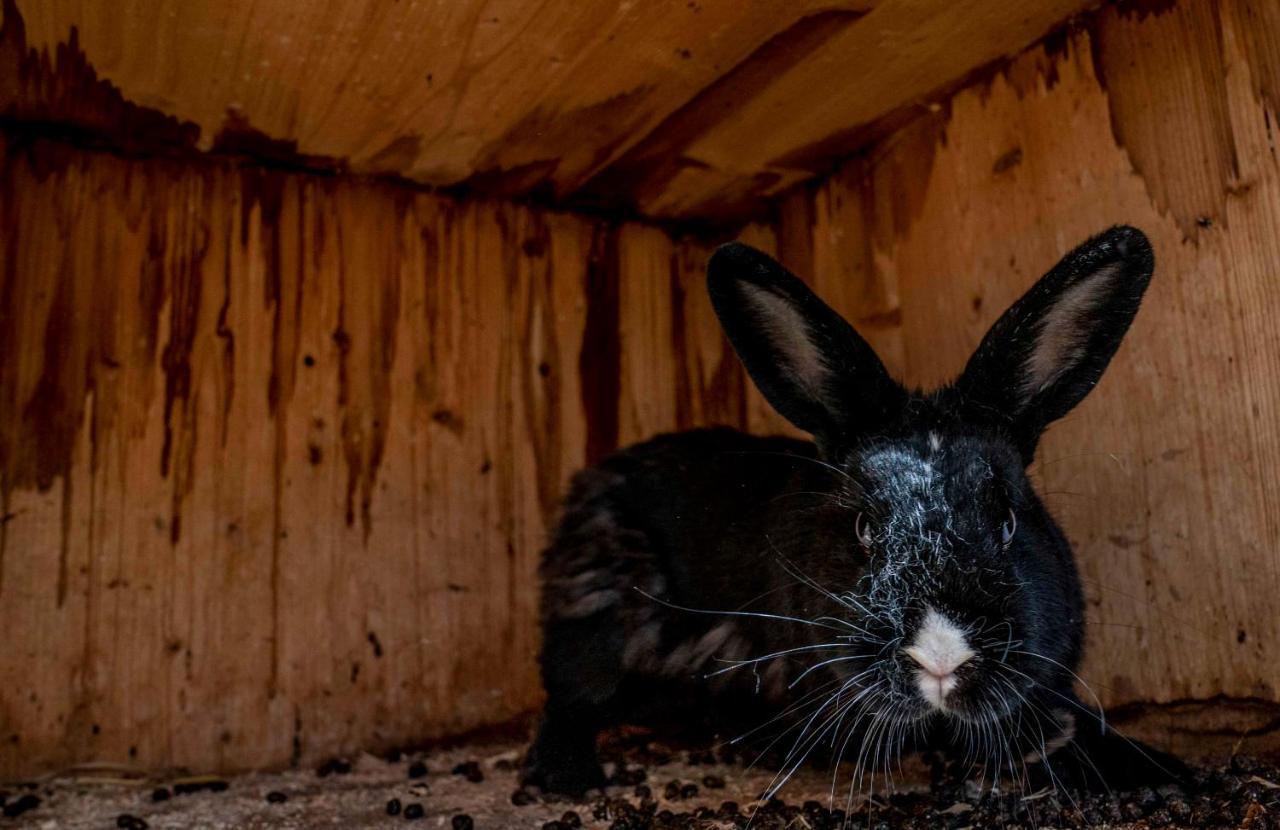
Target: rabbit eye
column 865, row 530
column 1009, row 527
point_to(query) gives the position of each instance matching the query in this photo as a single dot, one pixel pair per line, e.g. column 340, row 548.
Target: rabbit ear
column 1050, row 348
column 807, row 361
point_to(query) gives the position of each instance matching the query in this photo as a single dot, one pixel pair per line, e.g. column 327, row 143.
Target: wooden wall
column 279, row 450
column 1167, row 478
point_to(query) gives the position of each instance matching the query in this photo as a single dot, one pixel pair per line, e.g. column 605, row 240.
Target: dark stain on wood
column 1140, row 10
column 265, row 191
column 1007, row 161
column 227, row 335
column 448, row 419
column 680, row 344
column 63, row 94
column 532, row 179
column 720, row 388
column 350, row 427
column 726, row 393
column 237, row 137
column 38, row 433
column 182, row 256
column 793, row 218
column 424, row 374
column 539, row 349
column 383, row 330
column 600, row 360
column 54, row 412
column 364, row 390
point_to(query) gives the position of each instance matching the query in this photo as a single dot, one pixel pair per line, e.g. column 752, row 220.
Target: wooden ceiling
column 675, row 109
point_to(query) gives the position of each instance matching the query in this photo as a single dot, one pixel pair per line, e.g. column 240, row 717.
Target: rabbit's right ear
column 1050, row 348
column 806, row 360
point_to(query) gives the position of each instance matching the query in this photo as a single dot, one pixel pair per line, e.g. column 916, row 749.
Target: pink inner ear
column 1064, row 330
column 788, row 332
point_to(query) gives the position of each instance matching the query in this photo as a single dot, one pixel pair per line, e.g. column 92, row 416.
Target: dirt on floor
column 656, row 786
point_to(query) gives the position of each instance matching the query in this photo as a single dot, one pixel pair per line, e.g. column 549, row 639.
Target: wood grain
column 1166, row 477
column 697, row 109
column 278, row 452
column 886, row 66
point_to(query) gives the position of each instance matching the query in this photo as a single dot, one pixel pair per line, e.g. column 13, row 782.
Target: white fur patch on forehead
column 1060, row 341
column 898, row 467
column 788, row 332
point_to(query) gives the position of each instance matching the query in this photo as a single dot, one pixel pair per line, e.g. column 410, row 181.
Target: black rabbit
column 898, row 577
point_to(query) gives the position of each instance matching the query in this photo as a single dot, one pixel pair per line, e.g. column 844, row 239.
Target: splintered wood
column 1167, row 478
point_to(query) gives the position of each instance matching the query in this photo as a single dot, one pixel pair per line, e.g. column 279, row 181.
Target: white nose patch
column 939, row 648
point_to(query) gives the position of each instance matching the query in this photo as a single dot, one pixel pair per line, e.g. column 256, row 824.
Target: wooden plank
column 278, row 454
column 1166, row 477
column 645, row 320
column 510, row 95
column 697, row 110
column 886, row 65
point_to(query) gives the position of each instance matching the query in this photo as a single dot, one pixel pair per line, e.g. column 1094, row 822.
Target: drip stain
column 539, row 349
column 679, row 344
column 228, row 338
column 263, row 192
column 182, row 255
column 365, row 337
column 600, row 360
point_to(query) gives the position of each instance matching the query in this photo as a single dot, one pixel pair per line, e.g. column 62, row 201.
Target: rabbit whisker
column 762, row 615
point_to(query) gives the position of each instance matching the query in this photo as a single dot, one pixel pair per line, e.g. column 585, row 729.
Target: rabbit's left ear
column 805, row 359
column 1050, row 348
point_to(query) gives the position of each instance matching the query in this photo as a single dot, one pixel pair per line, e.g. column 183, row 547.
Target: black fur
column 683, row 564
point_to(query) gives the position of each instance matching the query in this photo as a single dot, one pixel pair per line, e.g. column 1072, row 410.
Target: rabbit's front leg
column 582, row 672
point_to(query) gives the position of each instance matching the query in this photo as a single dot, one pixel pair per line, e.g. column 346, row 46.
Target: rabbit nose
column 933, row 665
column 939, row 649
